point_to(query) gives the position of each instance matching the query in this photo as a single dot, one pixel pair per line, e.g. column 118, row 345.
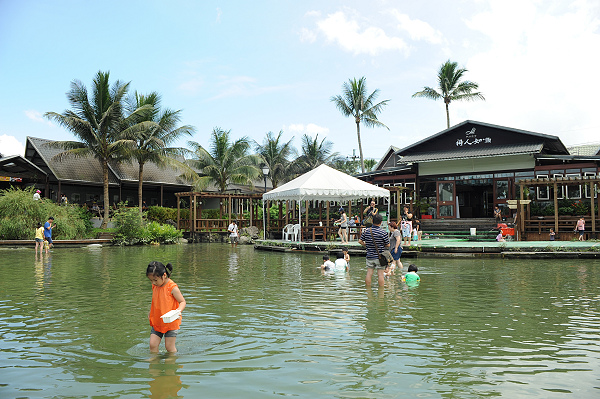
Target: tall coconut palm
column 99, row 123
column 451, row 88
column 355, row 102
column 225, row 162
column 275, row 154
column 153, row 143
column 314, row 153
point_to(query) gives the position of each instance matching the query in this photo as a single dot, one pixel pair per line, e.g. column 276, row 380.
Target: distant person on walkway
column 36, row 195
column 343, row 230
column 233, row 233
column 39, row 238
column 497, row 214
column 369, row 213
column 412, row 276
column 376, row 241
column 48, row 226
column 327, row 264
column 580, row 228
column 552, row 234
column 406, row 227
column 63, row 199
column 166, row 296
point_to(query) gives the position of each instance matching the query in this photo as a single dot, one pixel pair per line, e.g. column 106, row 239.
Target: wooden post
column 229, row 208
column 287, row 212
column 592, row 186
column 555, row 208
column 193, row 215
column 327, row 214
column 398, row 204
column 306, row 213
column 178, row 211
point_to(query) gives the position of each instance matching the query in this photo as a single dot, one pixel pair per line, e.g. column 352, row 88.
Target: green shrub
column 161, row 214
column 131, row 228
column 19, row 215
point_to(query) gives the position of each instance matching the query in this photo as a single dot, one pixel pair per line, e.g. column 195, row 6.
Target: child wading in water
column 165, row 297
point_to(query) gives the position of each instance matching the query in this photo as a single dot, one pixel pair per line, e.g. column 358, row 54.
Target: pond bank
column 456, row 248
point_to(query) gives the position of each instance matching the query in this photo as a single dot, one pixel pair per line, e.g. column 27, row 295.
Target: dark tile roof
column 86, row 169
column 89, row 169
column 152, row 173
column 16, row 165
column 585, row 149
column 473, row 153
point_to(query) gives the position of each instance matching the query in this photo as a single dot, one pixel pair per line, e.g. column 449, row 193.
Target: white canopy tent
column 325, row 184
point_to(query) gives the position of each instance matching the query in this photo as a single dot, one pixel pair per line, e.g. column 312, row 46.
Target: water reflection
column 165, row 382
column 74, row 324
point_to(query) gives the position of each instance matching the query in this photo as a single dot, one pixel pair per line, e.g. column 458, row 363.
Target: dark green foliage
column 161, row 214
column 131, row 228
column 19, row 215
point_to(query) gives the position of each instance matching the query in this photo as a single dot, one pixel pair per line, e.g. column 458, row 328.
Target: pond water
column 261, row 324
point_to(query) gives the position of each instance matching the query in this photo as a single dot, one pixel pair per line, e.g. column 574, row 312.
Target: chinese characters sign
column 472, row 139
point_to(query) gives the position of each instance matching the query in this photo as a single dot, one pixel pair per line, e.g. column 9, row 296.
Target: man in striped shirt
column 368, row 238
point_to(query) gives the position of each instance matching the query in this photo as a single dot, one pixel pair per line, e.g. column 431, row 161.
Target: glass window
column 497, row 175
column 501, row 189
column 446, row 210
column 573, row 191
column 524, row 174
column 542, row 191
column 446, row 193
column 587, row 185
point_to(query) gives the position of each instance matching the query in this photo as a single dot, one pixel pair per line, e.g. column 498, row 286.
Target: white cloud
column 307, row 35
column 353, row 37
column 37, row 116
column 9, row 145
column 537, row 75
column 191, row 86
column 417, row 29
column 219, row 13
column 243, row 86
column 311, row 129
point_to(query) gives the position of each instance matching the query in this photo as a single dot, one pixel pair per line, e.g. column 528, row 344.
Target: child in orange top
column 165, row 297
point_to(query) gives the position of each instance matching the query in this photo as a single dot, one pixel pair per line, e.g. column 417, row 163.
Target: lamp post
column 265, row 170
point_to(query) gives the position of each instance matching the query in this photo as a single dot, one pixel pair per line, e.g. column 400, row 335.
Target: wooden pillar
column 229, row 209
column 287, row 212
column 592, row 189
column 327, row 213
column 178, row 212
column 161, row 194
column 555, row 207
column 398, row 204
column 192, row 214
column 321, row 209
column 306, row 213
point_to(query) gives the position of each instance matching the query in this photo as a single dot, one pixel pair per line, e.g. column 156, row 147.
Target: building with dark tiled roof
column 468, row 169
column 80, row 178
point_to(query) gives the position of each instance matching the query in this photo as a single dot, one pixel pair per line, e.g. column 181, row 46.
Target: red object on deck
column 508, row 231
column 426, row 217
column 502, row 226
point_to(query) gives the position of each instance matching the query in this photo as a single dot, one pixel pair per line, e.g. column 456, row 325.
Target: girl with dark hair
column 165, row 298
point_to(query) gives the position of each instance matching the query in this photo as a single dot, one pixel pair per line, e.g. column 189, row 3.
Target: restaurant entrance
column 475, row 198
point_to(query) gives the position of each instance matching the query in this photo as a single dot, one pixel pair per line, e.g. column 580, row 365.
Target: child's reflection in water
column 165, row 382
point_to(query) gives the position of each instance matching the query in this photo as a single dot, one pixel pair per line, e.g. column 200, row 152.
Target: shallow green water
column 262, row 324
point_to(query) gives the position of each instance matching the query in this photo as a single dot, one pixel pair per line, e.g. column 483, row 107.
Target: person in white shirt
column 36, row 196
column 233, row 233
column 327, row 265
column 340, row 265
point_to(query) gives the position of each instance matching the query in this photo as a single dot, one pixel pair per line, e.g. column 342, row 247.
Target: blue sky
column 260, row 66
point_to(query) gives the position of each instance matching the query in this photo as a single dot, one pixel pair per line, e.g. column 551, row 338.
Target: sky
column 260, row 66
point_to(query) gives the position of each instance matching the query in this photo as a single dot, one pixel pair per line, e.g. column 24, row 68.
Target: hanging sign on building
column 11, row 179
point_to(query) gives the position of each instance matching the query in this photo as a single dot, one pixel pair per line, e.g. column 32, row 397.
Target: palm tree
column 100, row 125
column 451, row 88
column 153, row 143
column 355, row 102
column 225, row 162
column 314, row 153
column 275, row 154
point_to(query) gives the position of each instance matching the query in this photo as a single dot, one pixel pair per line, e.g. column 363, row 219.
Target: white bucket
column 473, row 231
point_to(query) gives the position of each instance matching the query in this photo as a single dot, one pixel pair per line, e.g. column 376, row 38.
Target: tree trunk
column 106, row 197
column 140, row 185
column 447, row 116
column 362, row 160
